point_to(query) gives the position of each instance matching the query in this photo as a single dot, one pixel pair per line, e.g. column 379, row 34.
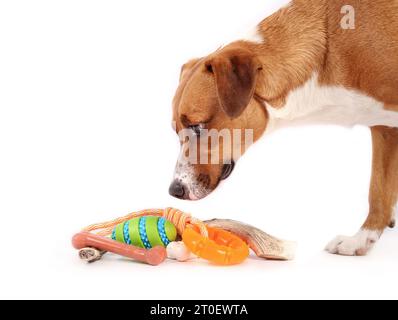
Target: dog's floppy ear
column 235, row 74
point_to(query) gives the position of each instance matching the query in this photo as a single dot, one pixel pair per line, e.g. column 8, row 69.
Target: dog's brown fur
column 227, row 88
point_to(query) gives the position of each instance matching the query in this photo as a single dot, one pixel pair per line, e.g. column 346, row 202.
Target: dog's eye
column 197, row 129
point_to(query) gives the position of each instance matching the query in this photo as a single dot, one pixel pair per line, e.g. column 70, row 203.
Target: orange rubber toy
column 220, row 247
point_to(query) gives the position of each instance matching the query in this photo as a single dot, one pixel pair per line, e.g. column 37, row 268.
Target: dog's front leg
column 382, row 197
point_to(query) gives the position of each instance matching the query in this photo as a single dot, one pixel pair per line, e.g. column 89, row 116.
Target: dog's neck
column 295, row 83
column 293, row 49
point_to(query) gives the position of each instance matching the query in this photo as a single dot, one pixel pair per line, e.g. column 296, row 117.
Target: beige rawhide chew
column 177, row 250
column 264, row 245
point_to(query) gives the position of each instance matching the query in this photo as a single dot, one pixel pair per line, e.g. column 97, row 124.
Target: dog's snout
column 178, row 190
column 227, row 170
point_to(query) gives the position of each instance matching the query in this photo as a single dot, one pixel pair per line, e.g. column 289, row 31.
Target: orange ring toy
column 221, row 247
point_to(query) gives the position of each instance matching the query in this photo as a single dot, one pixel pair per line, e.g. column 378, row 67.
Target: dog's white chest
column 315, row 104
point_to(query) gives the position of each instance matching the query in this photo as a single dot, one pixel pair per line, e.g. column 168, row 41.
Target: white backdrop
column 85, row 136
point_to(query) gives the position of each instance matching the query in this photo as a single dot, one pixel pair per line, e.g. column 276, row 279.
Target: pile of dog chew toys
column 152, row 236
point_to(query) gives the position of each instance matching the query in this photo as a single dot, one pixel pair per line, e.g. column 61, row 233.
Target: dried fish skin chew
column 264, row 245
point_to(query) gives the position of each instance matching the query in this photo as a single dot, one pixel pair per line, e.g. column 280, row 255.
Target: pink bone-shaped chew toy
column 154, row 256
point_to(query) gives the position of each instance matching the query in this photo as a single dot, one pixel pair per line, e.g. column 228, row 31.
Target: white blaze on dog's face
column 217, row 117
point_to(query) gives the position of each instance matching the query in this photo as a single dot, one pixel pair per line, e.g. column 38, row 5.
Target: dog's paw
column 358, row 245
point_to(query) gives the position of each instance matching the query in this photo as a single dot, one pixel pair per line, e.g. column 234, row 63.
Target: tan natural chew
column 264, row 245
column 91, row 254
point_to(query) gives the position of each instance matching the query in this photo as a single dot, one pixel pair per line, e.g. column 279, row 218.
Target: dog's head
column 217, row 116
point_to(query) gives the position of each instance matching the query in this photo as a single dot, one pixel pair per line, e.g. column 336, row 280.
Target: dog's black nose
column 227, row 170
column 178, row 190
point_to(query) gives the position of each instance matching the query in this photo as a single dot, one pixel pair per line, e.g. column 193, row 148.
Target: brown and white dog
column 303, row 64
